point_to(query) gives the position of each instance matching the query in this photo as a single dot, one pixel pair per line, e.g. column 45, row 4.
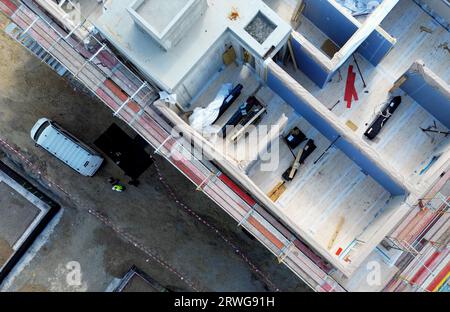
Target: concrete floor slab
column 16, row 214
column 323, row 192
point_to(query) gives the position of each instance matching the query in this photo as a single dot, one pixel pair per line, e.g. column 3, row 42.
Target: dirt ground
column 107, row 232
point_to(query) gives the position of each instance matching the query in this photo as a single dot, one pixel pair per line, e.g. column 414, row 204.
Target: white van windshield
column 41, row 129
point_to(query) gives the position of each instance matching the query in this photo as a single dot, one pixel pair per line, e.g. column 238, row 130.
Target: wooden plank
column 277, row 191
column 398, row 83
column 336, row 232
column 121, row 95
column 351, row 125
column 291, row 51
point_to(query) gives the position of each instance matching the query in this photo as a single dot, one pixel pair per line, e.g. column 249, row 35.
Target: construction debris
column 260, row 28
column 234, row 15
column 426, row 29
column 444, row 46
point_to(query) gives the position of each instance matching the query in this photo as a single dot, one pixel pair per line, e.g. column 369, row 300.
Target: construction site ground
column 108, row 232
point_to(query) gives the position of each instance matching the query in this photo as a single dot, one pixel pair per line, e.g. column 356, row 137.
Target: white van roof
column 66, row 147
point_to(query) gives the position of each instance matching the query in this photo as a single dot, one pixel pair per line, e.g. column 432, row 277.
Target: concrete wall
column 186, row 21
column 204, row 71
column 340, row 29
column 369, row 167
column 177, row 28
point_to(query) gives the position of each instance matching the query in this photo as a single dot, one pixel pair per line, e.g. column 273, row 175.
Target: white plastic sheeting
column 360, row 7
column 168, row 98
column 202, row 118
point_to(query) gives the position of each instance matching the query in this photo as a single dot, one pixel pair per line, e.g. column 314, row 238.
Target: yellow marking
column 277, row 191
column 351, row 125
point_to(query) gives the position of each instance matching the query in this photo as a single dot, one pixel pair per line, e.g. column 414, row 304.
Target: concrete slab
column 323, row 192
column 16, row 214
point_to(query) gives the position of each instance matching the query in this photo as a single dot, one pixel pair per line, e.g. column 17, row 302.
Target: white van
column 66, row 147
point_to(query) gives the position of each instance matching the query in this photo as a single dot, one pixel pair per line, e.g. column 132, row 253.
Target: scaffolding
column 424, row 239
column 92, row 62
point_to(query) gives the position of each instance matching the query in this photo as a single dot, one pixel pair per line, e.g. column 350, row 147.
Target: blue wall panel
column 339, row 29
column 332, row 134
column 375, row 48
column 436, row 103
column 369, row 167
column 329, row 20
column 308, row 65
column 301, row 108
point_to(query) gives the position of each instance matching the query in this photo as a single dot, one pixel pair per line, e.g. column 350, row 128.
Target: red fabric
column 237, row 190
column 350, row 91
column 8, row 7
column 349, row 77
column 354, row 92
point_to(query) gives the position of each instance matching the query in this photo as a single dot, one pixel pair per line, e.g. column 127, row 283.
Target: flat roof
column 168, row 68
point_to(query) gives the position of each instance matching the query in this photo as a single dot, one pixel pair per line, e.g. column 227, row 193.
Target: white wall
column 205, row 69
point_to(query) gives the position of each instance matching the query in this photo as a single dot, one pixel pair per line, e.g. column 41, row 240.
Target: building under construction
column 321, row 126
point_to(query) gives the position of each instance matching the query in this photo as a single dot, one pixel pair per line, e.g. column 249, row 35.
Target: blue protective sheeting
column 301, row 108
column 329, row 20
column 308, row 65
column 375, row 48
column 332, row 134
column 339, row 29
column 436, row 103
column 369, row 167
